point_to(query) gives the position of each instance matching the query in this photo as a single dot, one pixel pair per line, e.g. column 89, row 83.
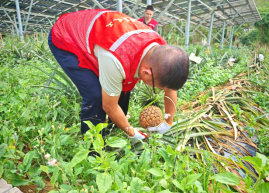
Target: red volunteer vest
column 151, row 24
column 116, row 32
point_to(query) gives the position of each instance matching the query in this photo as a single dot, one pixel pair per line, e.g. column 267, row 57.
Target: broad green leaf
column 226, row 178
column 90, row 125
column 53, row 191
column 254, row 160
column 55, row 176
column 1, row 169
column 27, row 160
column 44, row 169
column 165, row 156
column 156, row 172
column 263, row 188
column 116, row 142
column 191, row 179
column 165, row 191
column 199, row 186
column 98, row 143
column 39, row 181
column 178, row 185
column 65, row 139
column 104, row 181
column 100, row 127
column 19, row 182
column 118, row 181
column 66, row 187
column 163, row 183
column 263, row 158
column 146, row 189
column 144, row 159
column 136, row 185
column 79, row 157
column 3, row 149
column 73, row 191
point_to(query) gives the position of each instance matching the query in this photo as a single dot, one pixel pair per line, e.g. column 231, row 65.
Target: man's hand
column 138, row 134
column 163, row 128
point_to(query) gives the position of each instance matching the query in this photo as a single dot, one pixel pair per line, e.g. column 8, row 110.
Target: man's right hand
column 138, row 134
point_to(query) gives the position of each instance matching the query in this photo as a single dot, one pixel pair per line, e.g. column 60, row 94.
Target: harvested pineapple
column 150, row 117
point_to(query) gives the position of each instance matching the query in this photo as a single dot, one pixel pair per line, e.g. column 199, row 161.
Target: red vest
column 116, row 32
column 151, row 24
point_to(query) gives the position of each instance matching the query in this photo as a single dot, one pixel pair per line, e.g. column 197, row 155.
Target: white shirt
column 111, row 72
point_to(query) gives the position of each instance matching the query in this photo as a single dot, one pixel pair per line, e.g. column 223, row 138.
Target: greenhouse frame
column 23, row 16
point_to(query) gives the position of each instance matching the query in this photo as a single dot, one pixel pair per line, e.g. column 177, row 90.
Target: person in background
column 148, row 20
column 105, row 53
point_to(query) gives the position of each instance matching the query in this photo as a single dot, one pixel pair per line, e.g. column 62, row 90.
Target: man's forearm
column 170, row 102
column 115, row 113
column 118, row 118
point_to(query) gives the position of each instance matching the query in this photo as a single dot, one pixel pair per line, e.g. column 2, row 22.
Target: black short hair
column 170, row 65
column 150, row 7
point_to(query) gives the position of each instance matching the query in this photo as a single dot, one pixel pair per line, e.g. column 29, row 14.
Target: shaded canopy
column 43, row 13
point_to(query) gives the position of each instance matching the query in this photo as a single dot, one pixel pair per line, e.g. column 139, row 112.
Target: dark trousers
column 88, row 85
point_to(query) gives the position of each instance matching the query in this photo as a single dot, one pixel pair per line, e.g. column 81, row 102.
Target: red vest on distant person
column 116, row 32
column 151, row 24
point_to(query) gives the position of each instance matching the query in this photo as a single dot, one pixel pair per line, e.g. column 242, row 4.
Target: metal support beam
column 12, row 31
column 28, row 16
column 236, row 29
column 210, row 30
column 129, row 10
column 15, row 23
column 170, row 32
column 149, row 2
column 188, row 25
column 201, row 33
column 202, row 21
column 216, row 35
column 222, row 35
column 134, row 8
column 19, row 18
column 34, row 14
column 98, row 4
column 165, row 10
column 119, row 5
column 175, row 25
column 15, row 26
column 231, row 38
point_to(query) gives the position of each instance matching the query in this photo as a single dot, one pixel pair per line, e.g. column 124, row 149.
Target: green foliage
column 260, row 33
column 36, row 122
column 263, row 25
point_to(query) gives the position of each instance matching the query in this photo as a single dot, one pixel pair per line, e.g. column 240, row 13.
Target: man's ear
column 146, row 70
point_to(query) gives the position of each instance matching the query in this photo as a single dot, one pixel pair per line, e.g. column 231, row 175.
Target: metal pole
column 231, row 40
column 15, row 23
column 19, row 18
column 149, row 2
column 12, row 31
column 222, row 36
column 188, row 26
column 119, row 5
column 210, row 30
column 28, row 16
column 170, row 32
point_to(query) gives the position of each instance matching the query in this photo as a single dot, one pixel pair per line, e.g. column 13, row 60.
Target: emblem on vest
column 120, row 20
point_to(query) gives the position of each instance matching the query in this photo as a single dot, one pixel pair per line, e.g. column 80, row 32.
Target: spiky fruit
column 150, row 117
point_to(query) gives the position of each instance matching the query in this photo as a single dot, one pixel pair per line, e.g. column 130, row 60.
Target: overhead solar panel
column 45, row 12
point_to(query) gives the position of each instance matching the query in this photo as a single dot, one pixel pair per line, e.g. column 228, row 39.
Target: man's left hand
column 163, row 128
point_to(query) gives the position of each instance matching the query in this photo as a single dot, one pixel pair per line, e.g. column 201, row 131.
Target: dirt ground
column 33, row 188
